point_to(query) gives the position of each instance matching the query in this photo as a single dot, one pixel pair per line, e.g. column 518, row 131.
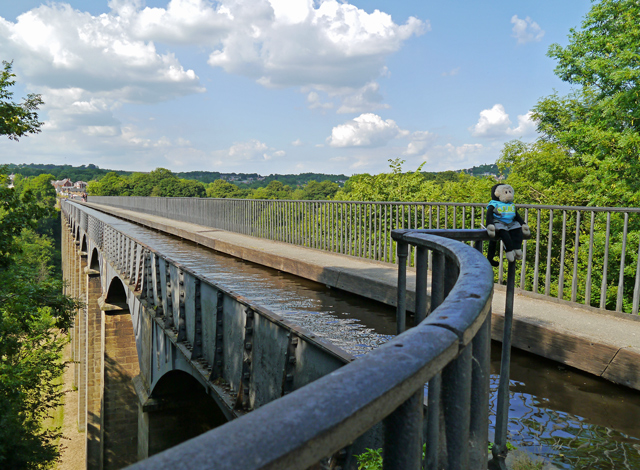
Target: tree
column 17, row 120
column 598, row 124
column 319, row 190
column 274, row 190
column 110, row 184
column 34, row 315
column 223, row 189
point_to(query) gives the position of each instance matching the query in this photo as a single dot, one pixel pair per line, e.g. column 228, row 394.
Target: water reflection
column 571, row 418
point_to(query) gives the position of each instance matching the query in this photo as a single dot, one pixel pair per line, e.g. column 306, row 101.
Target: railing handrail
column 401, row 203
column 296, row 431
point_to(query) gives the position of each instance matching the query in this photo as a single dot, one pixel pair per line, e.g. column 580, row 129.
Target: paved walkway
column 604, row 344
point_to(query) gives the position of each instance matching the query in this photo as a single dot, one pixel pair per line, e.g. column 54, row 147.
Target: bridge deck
column 602, row 343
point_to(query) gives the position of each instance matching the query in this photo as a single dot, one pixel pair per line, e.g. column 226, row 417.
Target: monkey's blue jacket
column 503, row 212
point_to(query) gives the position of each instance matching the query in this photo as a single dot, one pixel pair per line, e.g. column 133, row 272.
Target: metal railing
column 587, row 255
column 449, row 349
column 441, row 274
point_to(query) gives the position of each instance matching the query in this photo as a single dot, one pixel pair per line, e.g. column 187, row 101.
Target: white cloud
column 334, row 45
column 526, row 126
column 250, row 151
column 420, row 141
column 313, row 98
column 451, row 72
column 181, row 22
column 450, row 156
column 526, row 30
column 367, row 98
column 495, row 123
column 367, row 130
column 59, row 47
column 85, row 67
column 297, row 143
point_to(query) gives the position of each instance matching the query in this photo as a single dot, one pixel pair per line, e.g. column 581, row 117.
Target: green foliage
column 415, row 187
column 274, row 190
column 159, row 182
column 544, row 173
column 74, row 173
column 370, row 460
column 598, row 124
column 34, row 314
column 17, row 120
column 224, row 189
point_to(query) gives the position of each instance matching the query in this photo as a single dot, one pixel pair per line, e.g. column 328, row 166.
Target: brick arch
column 121, row 365
column 116, row 292
column 192, row 412
column 94, row 261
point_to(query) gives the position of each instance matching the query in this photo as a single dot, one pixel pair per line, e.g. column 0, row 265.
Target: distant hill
column 243, row 180
column 74, row 173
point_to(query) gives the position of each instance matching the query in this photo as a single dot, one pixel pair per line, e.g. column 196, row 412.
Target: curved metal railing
column 449, row 349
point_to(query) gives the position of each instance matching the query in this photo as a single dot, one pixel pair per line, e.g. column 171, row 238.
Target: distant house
column 62, row 186
column 80, row 185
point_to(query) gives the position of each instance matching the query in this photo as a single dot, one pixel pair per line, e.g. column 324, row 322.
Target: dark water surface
column 574, row 419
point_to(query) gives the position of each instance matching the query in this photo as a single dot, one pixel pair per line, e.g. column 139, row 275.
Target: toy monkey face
column 504, row 193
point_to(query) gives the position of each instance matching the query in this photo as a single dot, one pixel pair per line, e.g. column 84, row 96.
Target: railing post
column 421, row 283
column 403, row 435
column 502, row 413
column 401, row 306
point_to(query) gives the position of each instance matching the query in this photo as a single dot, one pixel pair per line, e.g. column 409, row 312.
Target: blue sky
column 281, row 86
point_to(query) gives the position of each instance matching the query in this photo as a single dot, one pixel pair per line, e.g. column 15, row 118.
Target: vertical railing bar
column 359, row 230
column 379, row 232
column 547, row 280
column 603, row 285
column 401, row 305
column 502, row 410
column 421, row 284
column 636, row 286
column 536, row 270
column 403, row 435
column 622, row 261
column 386, row 230
column 501, row 263
column 562, row 254
column 524, row 254
column 587, row 292
column 370, row 207
column 576, row 245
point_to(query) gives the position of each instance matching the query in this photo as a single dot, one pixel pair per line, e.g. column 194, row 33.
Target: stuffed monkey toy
column 504, row 222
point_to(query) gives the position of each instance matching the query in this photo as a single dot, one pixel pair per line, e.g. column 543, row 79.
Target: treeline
column 162, row 183
column 243, row 180
column 60, row 172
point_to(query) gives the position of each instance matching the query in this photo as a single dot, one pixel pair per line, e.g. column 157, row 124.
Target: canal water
column 572, row 419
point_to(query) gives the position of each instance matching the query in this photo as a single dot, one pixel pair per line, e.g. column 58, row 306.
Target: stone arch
column 117, row 294
column 121, row 365
column 94, row 261
column 83, row 245
column 181, row 410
